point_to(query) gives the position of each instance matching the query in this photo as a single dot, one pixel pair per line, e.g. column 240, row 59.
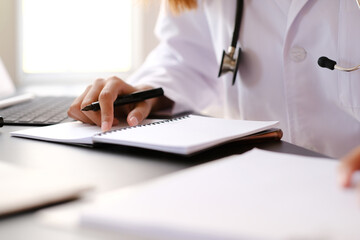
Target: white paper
column 71, row 132
column 256, row 195
column 24, row 188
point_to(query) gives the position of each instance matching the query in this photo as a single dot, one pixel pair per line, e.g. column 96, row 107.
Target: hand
column 349, row 164
column 106, row 91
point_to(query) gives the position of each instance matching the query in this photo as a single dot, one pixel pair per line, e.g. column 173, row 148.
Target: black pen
column 130, row 98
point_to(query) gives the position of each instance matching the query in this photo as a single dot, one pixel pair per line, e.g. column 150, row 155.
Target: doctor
column 278, row 76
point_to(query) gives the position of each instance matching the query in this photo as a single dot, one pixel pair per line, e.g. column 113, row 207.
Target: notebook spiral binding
column 145, row 125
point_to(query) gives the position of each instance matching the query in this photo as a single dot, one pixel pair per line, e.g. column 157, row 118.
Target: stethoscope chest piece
column 230, row 63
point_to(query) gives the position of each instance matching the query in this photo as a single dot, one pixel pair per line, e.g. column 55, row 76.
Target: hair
column 178, row 6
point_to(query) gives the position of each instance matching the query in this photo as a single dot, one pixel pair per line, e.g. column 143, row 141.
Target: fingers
column 139, row 113
column 106, row 91
column 113, row 88
column 74, row 110
column 349, row 164
column 92, row 96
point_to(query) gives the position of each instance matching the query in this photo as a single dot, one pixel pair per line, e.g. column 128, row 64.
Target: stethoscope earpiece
column 229, row 63
column 325, row 62
column 331, row 64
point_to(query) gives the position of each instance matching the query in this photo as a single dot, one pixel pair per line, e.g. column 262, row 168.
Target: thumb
column 344, row 176
column 349, row 164
column 139, row 113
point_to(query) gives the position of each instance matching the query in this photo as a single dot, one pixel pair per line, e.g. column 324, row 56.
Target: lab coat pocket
column 349, row 56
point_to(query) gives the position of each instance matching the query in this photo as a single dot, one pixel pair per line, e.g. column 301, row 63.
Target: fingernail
column 133, row 121
column 105, row 126
column 343, row 177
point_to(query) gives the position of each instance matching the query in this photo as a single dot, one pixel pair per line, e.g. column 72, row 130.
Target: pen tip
column 87, row 108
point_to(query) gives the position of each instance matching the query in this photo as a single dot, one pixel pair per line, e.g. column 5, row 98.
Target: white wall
column 8, row 36
column 150, row 13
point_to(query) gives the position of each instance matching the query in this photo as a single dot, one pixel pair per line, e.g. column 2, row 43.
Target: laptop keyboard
column 40, row 111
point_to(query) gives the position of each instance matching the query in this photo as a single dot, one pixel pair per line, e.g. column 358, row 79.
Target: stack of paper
column 256, row 195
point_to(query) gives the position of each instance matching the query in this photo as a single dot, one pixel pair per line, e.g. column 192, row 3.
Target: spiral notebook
column 183, row 135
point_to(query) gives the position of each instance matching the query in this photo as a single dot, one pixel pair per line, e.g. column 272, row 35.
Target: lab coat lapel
column 284, row 5
column 295, row 8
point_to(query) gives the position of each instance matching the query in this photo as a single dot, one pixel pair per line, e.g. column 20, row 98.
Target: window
column 75, row 39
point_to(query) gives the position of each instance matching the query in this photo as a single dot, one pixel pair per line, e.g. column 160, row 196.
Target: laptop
column 23, row 108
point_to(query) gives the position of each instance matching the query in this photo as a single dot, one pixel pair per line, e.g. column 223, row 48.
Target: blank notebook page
column 184, row 135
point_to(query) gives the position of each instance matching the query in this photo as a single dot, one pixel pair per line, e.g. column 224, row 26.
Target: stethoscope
column 325, row 62
column 230, row 62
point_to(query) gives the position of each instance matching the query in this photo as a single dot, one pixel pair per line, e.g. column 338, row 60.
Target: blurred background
column 57, row 41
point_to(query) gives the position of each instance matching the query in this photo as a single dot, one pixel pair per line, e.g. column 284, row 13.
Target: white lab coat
column 278, row 79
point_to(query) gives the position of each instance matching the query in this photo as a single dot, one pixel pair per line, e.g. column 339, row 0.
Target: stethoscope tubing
column 230, row 63
column 347, row 69
column 238, row 19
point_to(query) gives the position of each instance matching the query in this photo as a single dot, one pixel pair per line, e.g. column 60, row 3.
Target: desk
column 108, row 167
